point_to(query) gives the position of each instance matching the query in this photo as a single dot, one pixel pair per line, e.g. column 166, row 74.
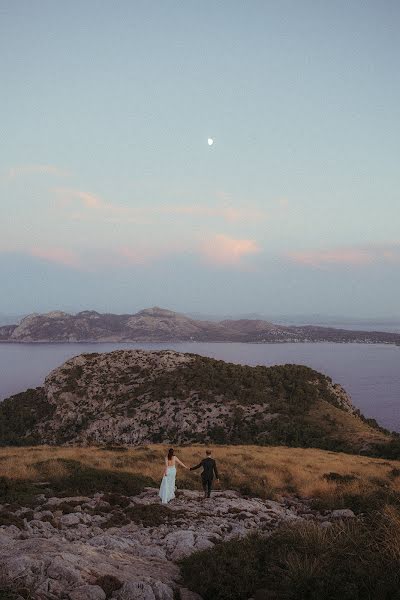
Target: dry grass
column 267, row 472
column 343, row 426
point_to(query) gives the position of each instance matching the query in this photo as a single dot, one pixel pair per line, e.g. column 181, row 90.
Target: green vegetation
column 354, row 560
column 71, row 478
column 290, row 387
column 6, row 593
column 19, row 414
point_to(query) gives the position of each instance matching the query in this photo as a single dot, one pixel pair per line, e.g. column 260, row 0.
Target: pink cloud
column 104, row 211
column 283, row 202
column 90, row 200
column 346, row 256
column 112, row 212
column 87, row 199
column 61, row 256
column 224, row 250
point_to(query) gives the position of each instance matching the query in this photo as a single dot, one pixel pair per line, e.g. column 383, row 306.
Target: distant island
column 161, row 325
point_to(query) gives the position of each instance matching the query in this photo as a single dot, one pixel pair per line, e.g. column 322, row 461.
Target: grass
column 357, row 560
column 334, row 480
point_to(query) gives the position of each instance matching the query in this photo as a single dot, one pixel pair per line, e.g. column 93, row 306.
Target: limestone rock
column 87, row 592
column 67, row 562
column 343, row 513
column 70, row 520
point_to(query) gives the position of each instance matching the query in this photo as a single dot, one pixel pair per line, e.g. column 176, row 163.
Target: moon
column 210, row 141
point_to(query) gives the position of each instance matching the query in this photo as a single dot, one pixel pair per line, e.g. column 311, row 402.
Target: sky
column 111, row 198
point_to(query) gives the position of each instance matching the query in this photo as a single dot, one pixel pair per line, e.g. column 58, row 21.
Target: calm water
column 370, row 373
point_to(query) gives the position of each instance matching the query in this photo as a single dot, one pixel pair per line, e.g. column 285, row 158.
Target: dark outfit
column 209, row 468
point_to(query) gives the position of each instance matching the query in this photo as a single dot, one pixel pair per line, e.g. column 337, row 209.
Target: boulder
column 70, row 520
column 343, row 513
column 87, row 592
column 135, row 590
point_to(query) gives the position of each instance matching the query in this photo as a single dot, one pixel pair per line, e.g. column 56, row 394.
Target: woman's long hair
column 170, row 453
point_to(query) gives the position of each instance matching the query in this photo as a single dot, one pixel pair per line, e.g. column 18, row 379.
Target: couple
column 167, row 487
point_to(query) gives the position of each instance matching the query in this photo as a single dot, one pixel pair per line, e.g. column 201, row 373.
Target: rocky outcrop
column 127, row 548
column 138, row 397
column 158, row 324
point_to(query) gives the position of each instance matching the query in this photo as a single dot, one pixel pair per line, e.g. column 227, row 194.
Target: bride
column 167, row 487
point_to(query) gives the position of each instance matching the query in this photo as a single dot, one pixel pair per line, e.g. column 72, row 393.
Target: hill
column 161, row 325
column 140, row 397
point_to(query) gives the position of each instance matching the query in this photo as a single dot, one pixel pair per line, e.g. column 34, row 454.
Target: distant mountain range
column 161, row 325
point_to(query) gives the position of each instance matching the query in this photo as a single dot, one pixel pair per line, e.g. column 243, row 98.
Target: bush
column 77, row 479
column 348, row 561
column 73, row 479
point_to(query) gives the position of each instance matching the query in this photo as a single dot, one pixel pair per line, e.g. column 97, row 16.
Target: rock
column 87, row 592
column 43, row 514
column 162, row 591
column 50, row 588
column 343, row 513
column 70, row 520
column 73, row 499
column 60, row 569
column 10, row 530
column 135, row 590
column 65, row 562
column 145, row 589
column 180, row 544
column 22, row 569
column 42, row 528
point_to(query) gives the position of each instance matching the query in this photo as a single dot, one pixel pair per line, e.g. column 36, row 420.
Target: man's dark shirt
column 209, row 468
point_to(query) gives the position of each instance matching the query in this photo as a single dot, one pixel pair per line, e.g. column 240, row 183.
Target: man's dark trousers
column 207, row 485
column 209, row 468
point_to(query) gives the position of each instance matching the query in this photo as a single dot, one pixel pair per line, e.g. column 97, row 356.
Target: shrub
column 347, row 561
column 77, row 479
column 338, row 478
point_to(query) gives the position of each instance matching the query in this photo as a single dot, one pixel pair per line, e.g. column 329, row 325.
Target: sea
column 370, row 373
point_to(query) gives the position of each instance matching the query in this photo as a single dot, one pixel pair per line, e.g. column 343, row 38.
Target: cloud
column 90, row 200
column 22, row 170
column 225, row 250
column 94, row 207
column 283, row 202
column 58, row 255
column 350, row 256
column 111, row 212
column 87, row 199
column 230, row 214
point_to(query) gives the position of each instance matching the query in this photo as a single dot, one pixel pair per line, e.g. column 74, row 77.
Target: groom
column 209, row 468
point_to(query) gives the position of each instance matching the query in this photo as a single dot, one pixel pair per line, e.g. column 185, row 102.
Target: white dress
column 167, row 487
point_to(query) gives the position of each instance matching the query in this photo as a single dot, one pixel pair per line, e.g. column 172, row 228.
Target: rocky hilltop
column 157, row 324
column 138, row 397
column 127, row 548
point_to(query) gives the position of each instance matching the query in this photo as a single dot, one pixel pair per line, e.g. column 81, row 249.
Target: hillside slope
column 139, row 397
